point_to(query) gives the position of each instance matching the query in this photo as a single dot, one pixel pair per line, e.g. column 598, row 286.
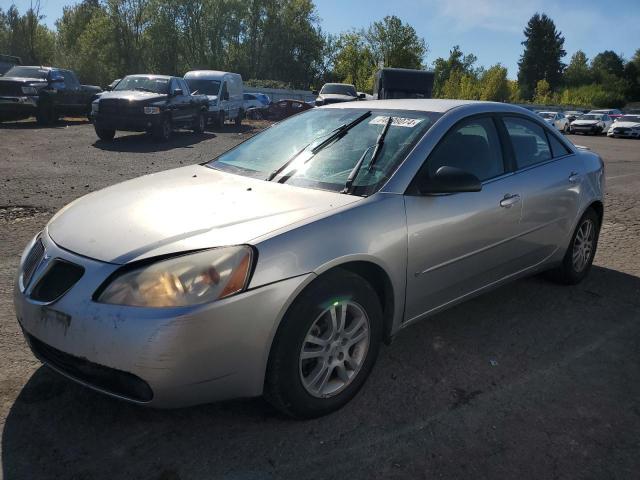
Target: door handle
column 509, row 200
column 573, row 177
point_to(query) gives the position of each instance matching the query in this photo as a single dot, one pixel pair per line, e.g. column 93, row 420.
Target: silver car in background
column 279, row 267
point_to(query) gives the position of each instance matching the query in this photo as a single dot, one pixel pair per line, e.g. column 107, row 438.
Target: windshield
column 339, row 89
column 28, row 72
column 329, row 168
column 591, row 116
column 203, row 87
column 145, row 84
column 548, row 115
column 629, row 118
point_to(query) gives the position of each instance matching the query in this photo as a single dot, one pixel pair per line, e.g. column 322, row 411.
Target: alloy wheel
column 334, row 349
column 583, row 245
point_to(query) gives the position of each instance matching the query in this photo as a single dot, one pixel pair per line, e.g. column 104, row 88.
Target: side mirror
column 177, row 92
column 362, row 96
column 315, row 92
column 449, row 180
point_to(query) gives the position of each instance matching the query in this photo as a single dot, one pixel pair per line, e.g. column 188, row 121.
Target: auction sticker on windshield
column 397, row 121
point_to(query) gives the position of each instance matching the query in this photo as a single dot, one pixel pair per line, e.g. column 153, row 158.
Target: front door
column 462, row 242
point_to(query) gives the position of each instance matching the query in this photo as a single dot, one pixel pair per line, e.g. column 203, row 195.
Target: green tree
column 494, row 85
column 542, row 56
column 578, row 71
column 607, row 63
column 542, row 92
column 396, row 44
column 354, row 61
column 443, row 69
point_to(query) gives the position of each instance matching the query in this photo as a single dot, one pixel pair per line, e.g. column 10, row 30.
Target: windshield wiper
column 337, row 133
column 374, row 157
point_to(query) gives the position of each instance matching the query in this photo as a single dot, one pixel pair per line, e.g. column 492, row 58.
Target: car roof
column 425, row 105
column 208, row 74
column 547, row 111
column 150, row 75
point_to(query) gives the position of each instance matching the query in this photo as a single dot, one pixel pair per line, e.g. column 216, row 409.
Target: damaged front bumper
column 164, row 357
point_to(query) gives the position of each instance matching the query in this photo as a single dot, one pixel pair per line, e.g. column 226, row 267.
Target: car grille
column 117, row 106
column 10, row 89
column 108, row 379
column 621, row 130
column 31, row 263
column 59, row 277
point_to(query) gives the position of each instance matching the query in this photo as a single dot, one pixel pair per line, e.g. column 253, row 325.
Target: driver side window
column 472, row 146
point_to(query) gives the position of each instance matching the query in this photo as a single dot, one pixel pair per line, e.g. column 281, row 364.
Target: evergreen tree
column 542, row 56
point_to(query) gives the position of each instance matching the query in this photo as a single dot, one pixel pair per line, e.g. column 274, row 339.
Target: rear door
column 548, row 177
column 459, row 243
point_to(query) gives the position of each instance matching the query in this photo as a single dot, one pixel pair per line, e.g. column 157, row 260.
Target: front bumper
column 130, row 123
column 17, row 107
column 185, row 356
column 626, row 132
column 586, row 129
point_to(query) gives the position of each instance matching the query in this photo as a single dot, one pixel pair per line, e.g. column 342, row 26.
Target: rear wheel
column 105, row 134
column 582, row 249
column 325, row 347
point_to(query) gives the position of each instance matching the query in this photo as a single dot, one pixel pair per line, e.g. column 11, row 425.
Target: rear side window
column 557, row 148
column 472, row 146
column 529, row 141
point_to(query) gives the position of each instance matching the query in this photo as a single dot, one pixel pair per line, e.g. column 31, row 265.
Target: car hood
column 626, row 125
column 180, row 210
column 133, row 95
column 586, row 122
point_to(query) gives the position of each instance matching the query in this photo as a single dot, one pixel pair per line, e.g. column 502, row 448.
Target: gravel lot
column 533, row 380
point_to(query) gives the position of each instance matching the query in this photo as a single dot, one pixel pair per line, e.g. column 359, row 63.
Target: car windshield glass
column 591, row 117
column 204, row 87
column 145, row 84
column 296, row 138
column 28, row 72
column 630, row 118
column 339, row 90
column 547, row 114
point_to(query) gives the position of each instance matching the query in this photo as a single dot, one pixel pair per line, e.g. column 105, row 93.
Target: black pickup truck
column 44, row 92
column 151, row 103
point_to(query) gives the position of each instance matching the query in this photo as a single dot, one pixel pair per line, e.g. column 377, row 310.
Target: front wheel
column 200, row 123
column 105, row 134
column 163, row 131
column 582, row 249
column 325, row 346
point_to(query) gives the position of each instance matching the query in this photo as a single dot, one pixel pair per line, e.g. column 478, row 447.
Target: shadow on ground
column 145, row 143
column 533, row 380
column 31, row 124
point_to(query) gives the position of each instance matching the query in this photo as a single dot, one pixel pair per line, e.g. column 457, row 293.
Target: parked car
column 336, row 93
column 280, row 266
column 612, row 112
column 591, row 123
column 44, row 92
column 403, row 83
column 255, row 100
column 625, row 126
column 153, row 103
column 557, row 119
column 280, row 110
column 7, row 62
column 224, row 91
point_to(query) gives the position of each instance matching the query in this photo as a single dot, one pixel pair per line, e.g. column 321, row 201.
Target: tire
column 162, row 132
column 238, row 121
column 289, row 385
column 572, row 272
column 105, row 134
column 200, row 123
column 45, row 115
column 565, row 130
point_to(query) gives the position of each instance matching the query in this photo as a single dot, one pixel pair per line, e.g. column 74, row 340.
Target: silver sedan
column 280, row 267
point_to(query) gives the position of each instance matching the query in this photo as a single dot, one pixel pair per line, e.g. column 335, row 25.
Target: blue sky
column 491, row 29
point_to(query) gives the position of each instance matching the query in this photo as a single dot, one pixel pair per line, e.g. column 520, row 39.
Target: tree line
column 280, row 43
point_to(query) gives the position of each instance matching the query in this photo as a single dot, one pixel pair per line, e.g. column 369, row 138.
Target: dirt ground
column 532, row 380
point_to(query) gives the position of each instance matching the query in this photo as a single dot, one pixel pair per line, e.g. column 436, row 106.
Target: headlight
column 152, row 110
column 94, row 107
column 190, row 279
column 29, row 90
